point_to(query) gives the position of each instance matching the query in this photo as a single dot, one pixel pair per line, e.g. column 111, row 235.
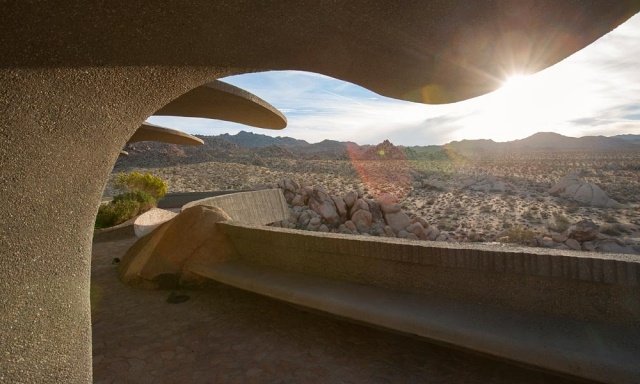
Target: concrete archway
column 79, row 78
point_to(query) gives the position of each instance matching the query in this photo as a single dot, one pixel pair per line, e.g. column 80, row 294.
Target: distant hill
column 251, row 148
column 253, row 140
column 629, row 138
column 546, row 142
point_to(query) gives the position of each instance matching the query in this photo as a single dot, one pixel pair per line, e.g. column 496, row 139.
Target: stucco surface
column 150, row 132
column 78, row 78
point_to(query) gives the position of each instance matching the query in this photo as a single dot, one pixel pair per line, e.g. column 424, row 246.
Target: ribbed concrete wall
column 599, row 287
column 254, row 207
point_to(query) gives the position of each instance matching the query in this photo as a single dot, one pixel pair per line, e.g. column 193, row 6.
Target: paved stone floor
column 225, row 335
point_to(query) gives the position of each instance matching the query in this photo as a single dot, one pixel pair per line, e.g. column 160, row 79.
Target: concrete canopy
column 222, row 101
column 78, row 78
column 150, row 132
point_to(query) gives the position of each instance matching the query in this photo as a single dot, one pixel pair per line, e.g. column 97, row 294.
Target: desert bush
column 116, row 212
column 145, row 200
column 520, row 235
column 560, row 223
column 124, row 207
column 611, row 230
column 144, row 182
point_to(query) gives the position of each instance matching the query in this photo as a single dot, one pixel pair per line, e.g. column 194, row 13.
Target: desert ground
column 504, row 197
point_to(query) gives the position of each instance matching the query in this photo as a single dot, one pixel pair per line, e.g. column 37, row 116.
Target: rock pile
column 572, row 187
column 585, row 235
column 314, row 209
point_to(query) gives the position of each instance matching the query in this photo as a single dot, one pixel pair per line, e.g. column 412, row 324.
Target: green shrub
column 124, row 207
column 520, row 235
column 116, row 212
column 560, row 223
column 144, row 182
column 146, row 200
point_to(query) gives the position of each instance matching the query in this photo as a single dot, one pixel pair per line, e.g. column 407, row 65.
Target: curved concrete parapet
column 150, row 220
column 254, row 207
column 179, row 199
column 159, row 258
column 150, row 132
column 222, row 101
column 117, row 232
column 569, row 312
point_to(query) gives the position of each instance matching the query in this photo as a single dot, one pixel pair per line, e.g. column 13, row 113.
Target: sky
column 593, row 92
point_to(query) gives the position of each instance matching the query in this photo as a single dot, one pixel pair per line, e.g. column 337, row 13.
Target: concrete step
column 596, row 351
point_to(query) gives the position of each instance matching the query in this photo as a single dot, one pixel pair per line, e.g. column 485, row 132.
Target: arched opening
column 78, row 81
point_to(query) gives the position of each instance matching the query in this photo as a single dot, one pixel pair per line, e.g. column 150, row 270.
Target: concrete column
column 60, row 134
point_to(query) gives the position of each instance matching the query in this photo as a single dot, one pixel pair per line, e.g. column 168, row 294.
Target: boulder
column 397, row 220
column 389, row 207
column 376, row 211
column 574, row 188
column 299, row 200
column 559, row 237
column 613, row 246
column 350, row 198
column 432, row 233
column 417, row 229
column 341, row 207
column 584, row 230
column 362, row 220
column 573, row 244
column 358, row 205
column 350, row 226
column 321, row 203
column 289, row 185
column 314, row 224
column 388, row 232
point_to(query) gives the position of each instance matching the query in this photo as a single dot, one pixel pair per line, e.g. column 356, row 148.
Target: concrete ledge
column 574, row 285
column 597, row 351
column 178, row 199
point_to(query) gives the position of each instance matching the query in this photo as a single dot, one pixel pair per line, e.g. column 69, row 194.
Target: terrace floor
column 225, row 335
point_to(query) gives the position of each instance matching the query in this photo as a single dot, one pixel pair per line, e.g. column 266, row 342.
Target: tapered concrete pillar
column 61, row 133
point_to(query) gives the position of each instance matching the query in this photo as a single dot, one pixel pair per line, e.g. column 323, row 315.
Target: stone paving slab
column 225, row 335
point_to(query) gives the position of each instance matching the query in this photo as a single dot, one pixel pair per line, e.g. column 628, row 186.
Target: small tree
column 141, row 182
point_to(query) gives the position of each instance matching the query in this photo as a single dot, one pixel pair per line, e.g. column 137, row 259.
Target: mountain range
column 247, row 147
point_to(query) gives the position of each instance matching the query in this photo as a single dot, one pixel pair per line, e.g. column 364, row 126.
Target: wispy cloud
column 595, row 91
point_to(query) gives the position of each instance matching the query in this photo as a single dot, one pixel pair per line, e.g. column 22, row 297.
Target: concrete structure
column 171, row 240
column 150, row 132
column 79, row 78
column 572, row 312
column 222, row 101
column 150, row 220
column 264, row 206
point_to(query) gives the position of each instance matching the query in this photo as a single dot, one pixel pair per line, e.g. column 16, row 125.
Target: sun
column 515, row 83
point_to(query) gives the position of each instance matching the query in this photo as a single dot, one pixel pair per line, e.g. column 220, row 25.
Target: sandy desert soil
column 500, row 198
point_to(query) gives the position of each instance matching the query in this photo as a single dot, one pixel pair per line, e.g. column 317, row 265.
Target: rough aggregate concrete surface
column 77, row 78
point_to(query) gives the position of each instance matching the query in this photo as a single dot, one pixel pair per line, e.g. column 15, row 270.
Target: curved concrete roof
column 150, row 132
column 222, row 101
column 435, row 51
column 88, row 74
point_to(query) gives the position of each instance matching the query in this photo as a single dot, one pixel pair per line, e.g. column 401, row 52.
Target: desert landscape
column 547, row 190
